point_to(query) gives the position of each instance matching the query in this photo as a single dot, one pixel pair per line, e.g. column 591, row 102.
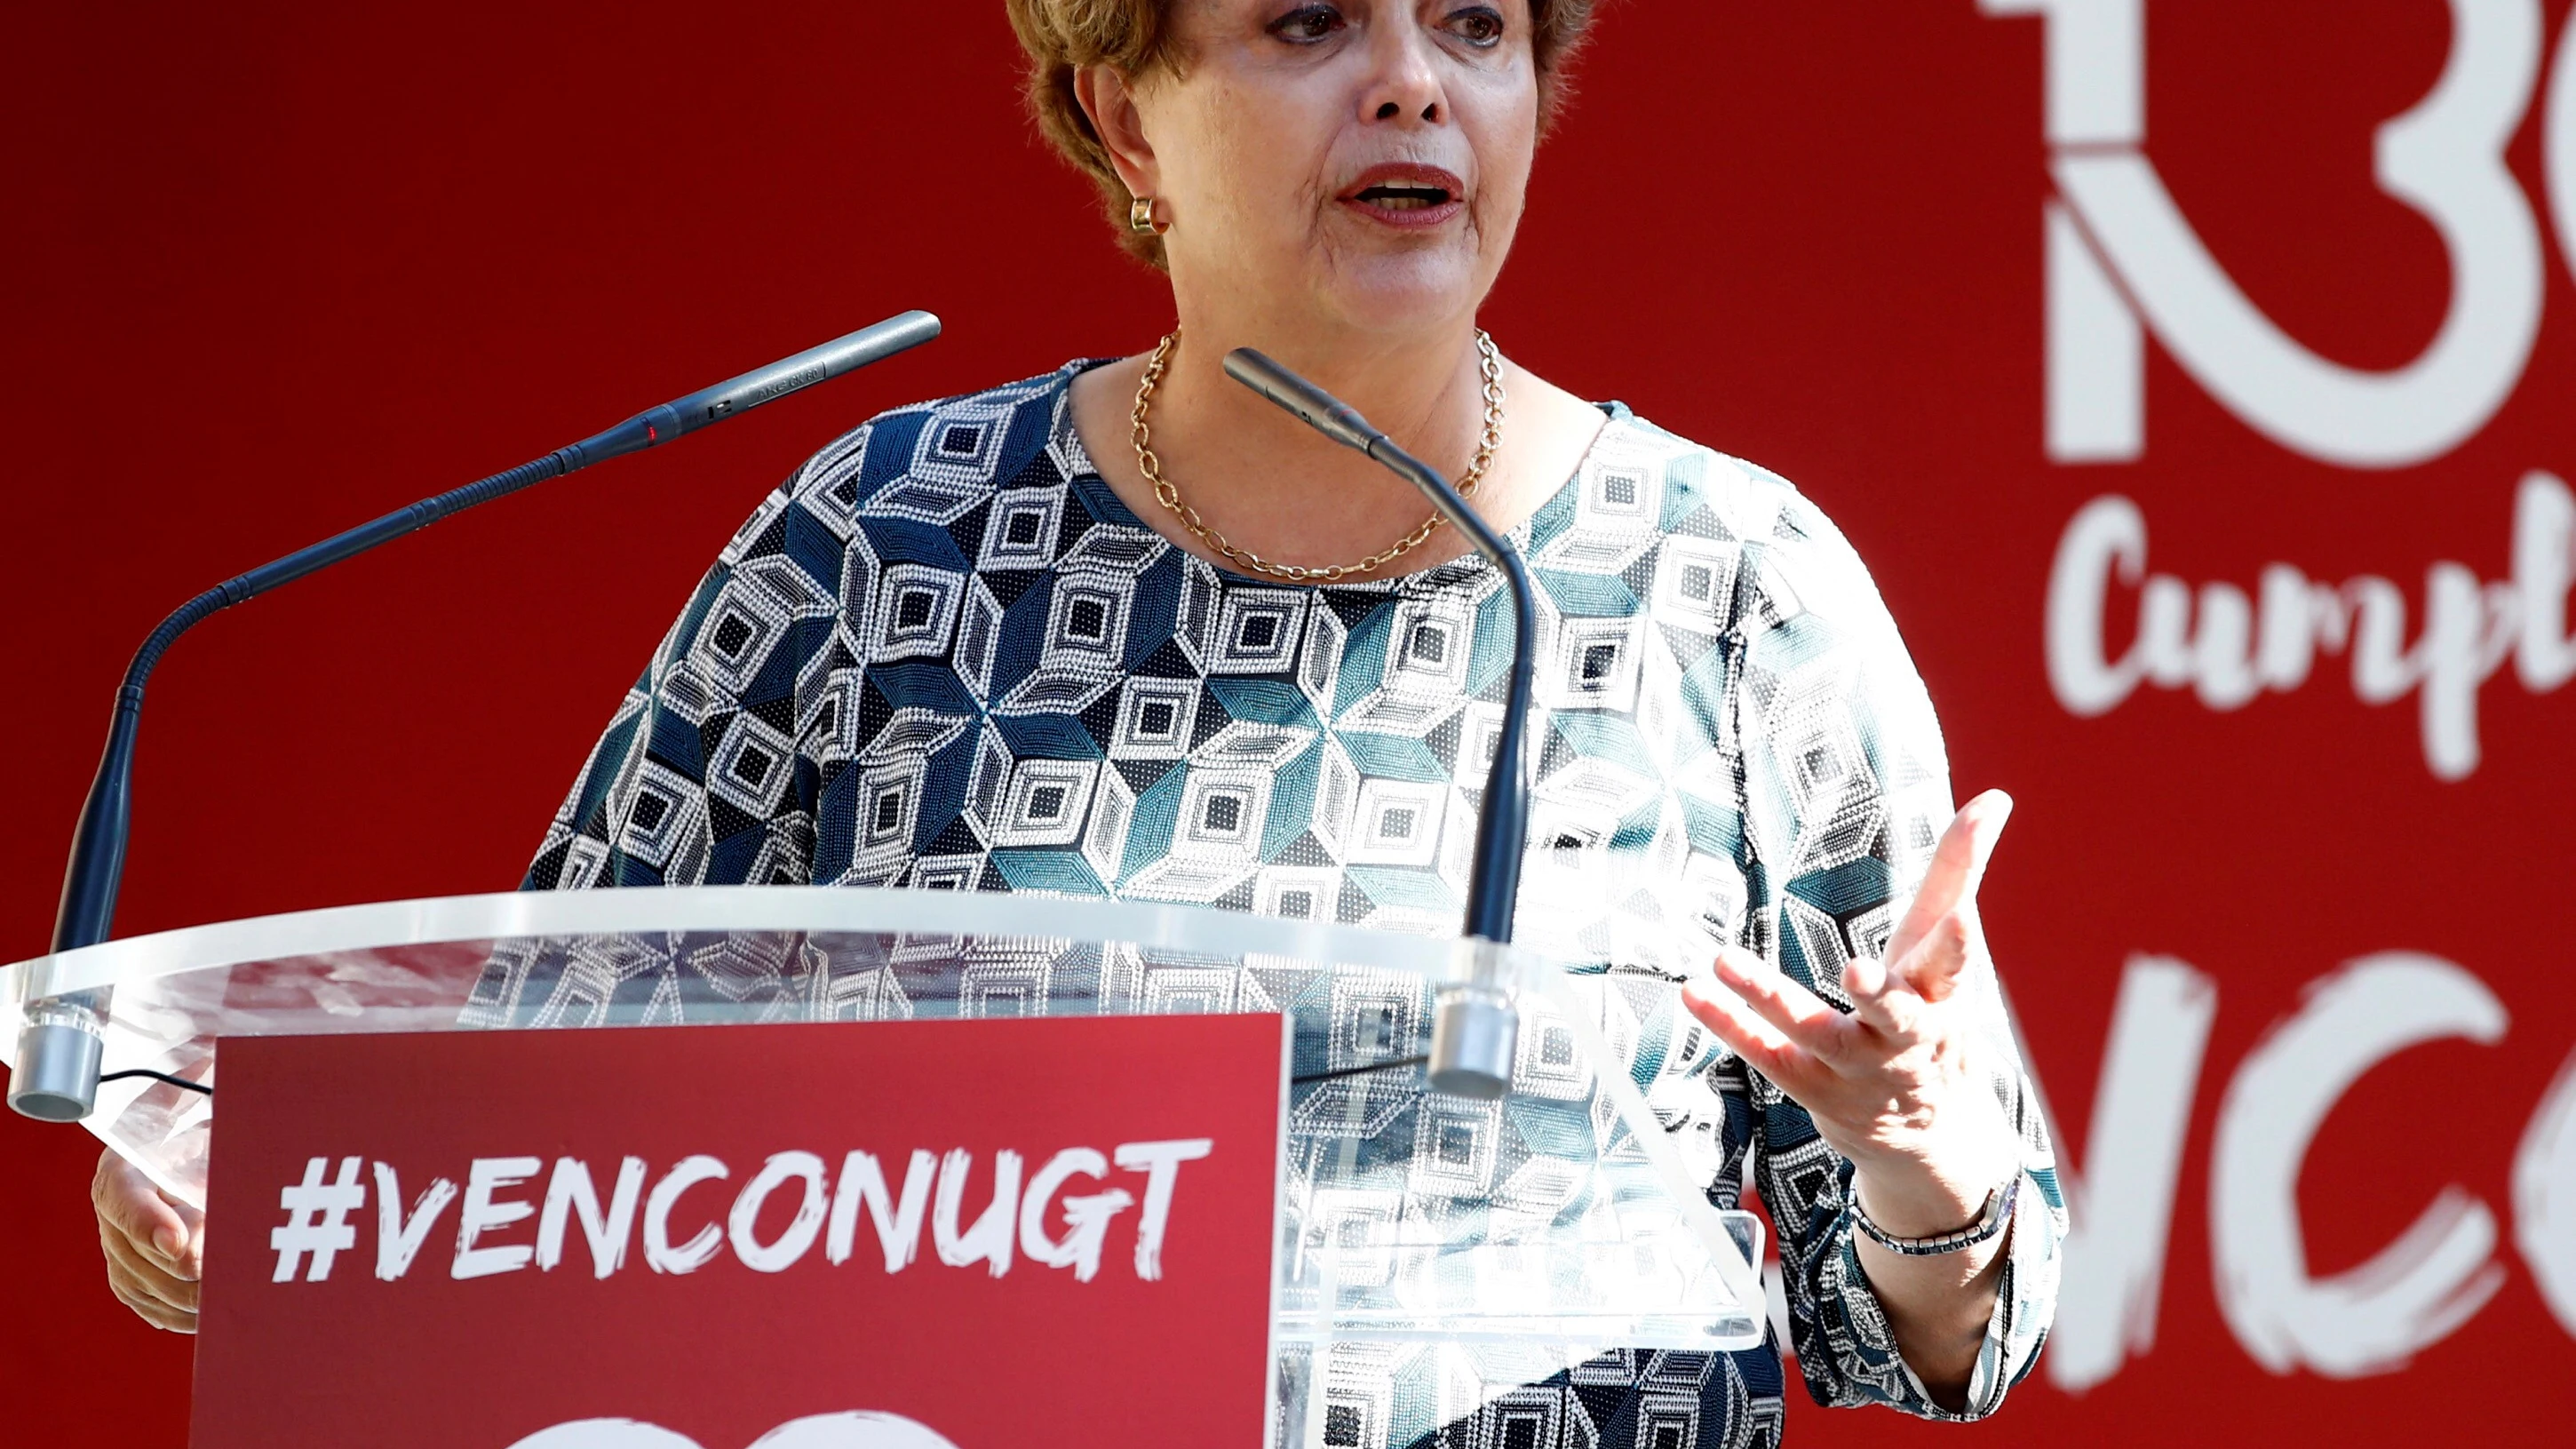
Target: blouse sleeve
column 699, row 778
column 1845, row 791
column 708, row 773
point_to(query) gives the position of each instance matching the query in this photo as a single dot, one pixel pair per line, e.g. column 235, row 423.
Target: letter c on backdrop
column 692, row 1255
column 2106, row 539
column 2417, row 1289
column 2544, row 1190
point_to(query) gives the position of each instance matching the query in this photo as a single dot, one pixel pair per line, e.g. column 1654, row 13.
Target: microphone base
column 1476, row 1024
column 56, row 1079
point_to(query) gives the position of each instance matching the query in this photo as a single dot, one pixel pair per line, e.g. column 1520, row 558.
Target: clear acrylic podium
column 1554, row 1224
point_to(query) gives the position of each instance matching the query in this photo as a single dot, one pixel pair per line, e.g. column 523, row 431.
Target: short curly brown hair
column 1133, row 36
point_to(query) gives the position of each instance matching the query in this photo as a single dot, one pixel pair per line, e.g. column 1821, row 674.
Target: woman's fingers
column 1958, row 867
column 1760, row 1044
column 129, row 1205
column 1740, row 1029
column 1799, row 1014
column 165, row 1302
column 1884, row 1000
column 1935, row 965
column 152, row 1310
column 127, row 1266
column 152, row 1245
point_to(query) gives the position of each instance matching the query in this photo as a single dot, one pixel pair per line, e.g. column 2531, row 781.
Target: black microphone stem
column 56, row 1077
column 1502, row 820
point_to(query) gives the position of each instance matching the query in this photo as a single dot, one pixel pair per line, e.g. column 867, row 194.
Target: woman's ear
column 1110, row 102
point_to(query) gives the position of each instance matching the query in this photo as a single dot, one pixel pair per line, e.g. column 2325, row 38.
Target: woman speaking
column 1127, row 630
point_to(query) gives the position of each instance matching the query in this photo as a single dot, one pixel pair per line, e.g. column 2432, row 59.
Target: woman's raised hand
column 1896, row 1085
column 155, row 1246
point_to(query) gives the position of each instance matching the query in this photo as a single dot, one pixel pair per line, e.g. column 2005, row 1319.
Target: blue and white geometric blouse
column 945, row 655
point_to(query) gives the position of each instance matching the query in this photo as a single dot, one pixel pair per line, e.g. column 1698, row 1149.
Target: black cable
column 1399, row 1064
column 181, row 1082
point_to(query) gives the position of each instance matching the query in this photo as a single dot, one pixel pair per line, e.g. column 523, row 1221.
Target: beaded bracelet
column 1989, row 1223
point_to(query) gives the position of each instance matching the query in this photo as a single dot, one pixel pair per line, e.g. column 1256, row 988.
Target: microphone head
column 1312, row 405
column 793, row 374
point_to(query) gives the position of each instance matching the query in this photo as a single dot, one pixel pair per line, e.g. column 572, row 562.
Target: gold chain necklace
column 1489, row 365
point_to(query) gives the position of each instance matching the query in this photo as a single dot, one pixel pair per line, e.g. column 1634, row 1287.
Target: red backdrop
column 279, row 268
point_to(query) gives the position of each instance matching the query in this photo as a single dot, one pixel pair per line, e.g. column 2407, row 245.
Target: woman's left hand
column 1896, row 1085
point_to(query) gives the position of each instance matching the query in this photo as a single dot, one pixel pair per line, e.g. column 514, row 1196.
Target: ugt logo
column 2122, row 258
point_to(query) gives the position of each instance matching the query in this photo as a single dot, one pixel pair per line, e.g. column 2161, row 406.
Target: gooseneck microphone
column 56, row 1077
column 1475, row 1028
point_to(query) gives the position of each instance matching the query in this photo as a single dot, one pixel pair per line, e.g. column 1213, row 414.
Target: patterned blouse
column 945, row 655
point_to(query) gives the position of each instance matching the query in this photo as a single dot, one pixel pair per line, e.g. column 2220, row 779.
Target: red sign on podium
column 895, row 1235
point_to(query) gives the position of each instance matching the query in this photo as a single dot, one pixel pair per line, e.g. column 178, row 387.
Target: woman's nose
column 1404, row 85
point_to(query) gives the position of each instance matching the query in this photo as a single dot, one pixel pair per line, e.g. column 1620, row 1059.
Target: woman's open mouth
column 1406, row 195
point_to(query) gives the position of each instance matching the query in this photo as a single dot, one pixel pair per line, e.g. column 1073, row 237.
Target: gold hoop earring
column 1140, row 217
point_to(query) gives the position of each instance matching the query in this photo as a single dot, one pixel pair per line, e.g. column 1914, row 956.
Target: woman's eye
column 1307, row 24
column 1481, row 25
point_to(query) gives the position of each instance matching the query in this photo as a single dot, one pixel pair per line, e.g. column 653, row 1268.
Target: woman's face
column 1361, row 159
